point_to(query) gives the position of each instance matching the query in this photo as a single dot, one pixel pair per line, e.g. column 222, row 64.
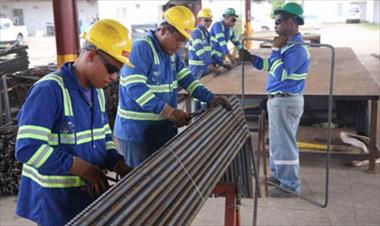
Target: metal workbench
column 352, row 82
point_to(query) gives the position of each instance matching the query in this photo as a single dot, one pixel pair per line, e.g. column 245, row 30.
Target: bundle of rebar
column 171, row 186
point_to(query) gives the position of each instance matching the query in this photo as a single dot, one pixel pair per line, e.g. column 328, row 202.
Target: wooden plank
column 351, row 78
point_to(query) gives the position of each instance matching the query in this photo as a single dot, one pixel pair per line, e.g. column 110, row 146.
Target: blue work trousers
column 284, row 114
column 198, row 72
column 136, row 153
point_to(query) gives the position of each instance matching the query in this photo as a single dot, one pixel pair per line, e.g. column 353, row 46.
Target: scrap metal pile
column 10, row 169
column 13, row 58
column 172, row 185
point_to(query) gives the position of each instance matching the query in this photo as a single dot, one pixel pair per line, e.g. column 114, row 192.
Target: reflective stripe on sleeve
column 50, row 181
column 133, row 115
column 40, row 156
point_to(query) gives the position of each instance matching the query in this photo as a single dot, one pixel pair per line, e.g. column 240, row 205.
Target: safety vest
column 54, row 139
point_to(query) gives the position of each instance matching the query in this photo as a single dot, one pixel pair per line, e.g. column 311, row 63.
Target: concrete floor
column 354, row 199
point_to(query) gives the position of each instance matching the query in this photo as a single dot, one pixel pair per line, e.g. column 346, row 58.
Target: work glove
column 222, row 100
column 176, row 116
column 213, row 69
column 244, row 55
column 279, row 41
column 121, row 168
column 97, row 180
column 227, row 65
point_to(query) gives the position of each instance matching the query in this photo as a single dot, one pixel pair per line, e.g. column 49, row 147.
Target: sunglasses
column 111, row 69
column 280, row 20
column 233, row 19
column 207, row 20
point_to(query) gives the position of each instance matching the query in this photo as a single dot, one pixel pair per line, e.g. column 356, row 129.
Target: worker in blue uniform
column 64, row 140
column 147, row 114
column 288, row 66
column 200, row 58
column 221, row 32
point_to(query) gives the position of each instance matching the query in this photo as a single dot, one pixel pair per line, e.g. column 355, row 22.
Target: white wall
column 37, row 14
column 373, row 11
column 132, row 12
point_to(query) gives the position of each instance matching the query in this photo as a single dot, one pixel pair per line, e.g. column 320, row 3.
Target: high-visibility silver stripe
column 51, row 181
column 286, row 162
column 41, row 155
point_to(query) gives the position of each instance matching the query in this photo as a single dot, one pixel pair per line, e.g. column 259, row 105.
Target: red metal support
column 66, row 30
column 232, row 213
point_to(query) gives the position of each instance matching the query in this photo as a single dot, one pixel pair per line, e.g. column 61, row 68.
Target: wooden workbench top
column 351, row 78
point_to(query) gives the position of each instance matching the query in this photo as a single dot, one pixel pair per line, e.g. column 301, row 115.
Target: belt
column 283, row 95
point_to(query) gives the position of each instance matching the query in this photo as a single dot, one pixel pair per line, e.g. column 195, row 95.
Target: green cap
column 229, row 12
column 293, row 9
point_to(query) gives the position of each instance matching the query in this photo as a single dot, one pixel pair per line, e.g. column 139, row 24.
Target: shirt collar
column 156, row 43
column 69, row 77
column 296, row 38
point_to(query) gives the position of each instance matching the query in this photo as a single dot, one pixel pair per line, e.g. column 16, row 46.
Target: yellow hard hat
column 111, row 37
column 182, row 19
column 204, row 13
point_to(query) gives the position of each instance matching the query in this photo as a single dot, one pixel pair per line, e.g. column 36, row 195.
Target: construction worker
column 200, row 59
column 64, row 140
column 221, row 32
column 147, row 116
column 288, row 66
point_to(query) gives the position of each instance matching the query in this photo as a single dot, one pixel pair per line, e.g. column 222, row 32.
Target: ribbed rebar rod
column 170, row 187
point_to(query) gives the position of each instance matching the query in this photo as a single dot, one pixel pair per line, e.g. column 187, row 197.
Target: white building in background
column 37, row 15
column 132, row 12
column 373, row 11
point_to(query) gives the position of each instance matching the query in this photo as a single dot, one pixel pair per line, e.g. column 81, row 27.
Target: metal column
column 66, row 30
column 373, row 152
column 247, row 24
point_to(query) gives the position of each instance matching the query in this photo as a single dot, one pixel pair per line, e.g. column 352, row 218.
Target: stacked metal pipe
column 172, row 185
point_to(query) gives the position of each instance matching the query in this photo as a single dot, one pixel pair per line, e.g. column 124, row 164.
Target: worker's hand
column 279, row 41
column 244, row 55
column 222, row 100
column 179, row 118
column 213, row 69
column 227, row 65
column 97, row 180
column 121, row 168
column 176, row 116
column 228, row 58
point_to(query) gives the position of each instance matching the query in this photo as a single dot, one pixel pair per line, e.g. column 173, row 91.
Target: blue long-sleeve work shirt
column 287, row 67
column 147, row 87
